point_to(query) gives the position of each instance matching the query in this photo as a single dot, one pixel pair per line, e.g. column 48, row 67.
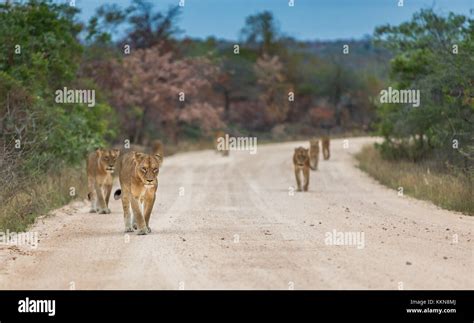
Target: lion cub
column 313, row 153
column 100, row 167
column 326, row 147
column 301, row 164
column 138, row 184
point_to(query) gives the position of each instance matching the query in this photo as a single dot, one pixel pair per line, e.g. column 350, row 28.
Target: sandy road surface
column 236, row 226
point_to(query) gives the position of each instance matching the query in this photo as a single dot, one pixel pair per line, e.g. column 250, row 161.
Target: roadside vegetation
column 428, row 150
column 42, row 143
column 423, row 180
column 41, row 194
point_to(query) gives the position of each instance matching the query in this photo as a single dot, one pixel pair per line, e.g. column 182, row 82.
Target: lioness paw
column 149, row 229
column 143, row 231
column 128, row 229
column 93, row 210
column 104, row 211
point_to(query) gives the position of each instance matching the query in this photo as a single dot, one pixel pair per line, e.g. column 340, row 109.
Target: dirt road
column 233, row 223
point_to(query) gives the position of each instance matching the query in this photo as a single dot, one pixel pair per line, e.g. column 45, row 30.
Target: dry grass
column 39, row 196
column 449, row 191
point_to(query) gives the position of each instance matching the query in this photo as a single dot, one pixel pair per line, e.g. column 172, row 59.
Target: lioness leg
column 298, row 181
column 101, row 200
column 108, row 189
column 313, row 162
column 306, row 178
column 149, row 202
column 126, row 211
column 326, row 153
column 92, row 194
column 134, row 223
column 142, row 228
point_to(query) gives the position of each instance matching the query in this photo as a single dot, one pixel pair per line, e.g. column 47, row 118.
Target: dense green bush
column 40, row 54
column 39, row 138
column 433, row 54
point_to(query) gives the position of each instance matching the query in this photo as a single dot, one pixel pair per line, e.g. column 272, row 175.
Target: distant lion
column 222, row 150
column 325, row 144
column 138, row 184
column 313, row 153
column 100, row 166
column 301, row 165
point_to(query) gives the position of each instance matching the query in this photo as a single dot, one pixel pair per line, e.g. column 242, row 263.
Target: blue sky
column 307, row 20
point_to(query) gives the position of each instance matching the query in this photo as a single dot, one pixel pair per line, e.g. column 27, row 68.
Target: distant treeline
column 165, row 86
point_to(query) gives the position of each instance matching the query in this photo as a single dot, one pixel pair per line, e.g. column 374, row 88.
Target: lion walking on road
column 138, row 185
column 302, row 166
column 100, row 167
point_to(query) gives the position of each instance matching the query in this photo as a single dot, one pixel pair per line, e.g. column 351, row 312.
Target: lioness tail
column 118, row 194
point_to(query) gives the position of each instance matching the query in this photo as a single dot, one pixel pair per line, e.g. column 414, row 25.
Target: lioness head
column 107, row 158
column 301, row 156
column 314, row 143
column 147, row 168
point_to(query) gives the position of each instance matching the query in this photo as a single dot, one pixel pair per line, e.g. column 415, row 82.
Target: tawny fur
column 138, row 184
column 301, row 165
column 100, row 167
column 325, row 144
column 313, row 154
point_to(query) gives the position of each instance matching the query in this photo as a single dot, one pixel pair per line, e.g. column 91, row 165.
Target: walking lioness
column 301, row 164
column 313, row 153
column 138, row 184
column 100, row 167
column 325, row 143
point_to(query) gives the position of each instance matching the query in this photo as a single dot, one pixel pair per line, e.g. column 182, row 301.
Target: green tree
column 261, row 32
column 146, row 27
column 42, row 54
column 433, row 54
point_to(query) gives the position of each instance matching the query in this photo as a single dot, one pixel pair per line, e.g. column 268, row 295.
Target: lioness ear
column 115, row 152
column 99, row 151
column 160, row 158
column 138, row 157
